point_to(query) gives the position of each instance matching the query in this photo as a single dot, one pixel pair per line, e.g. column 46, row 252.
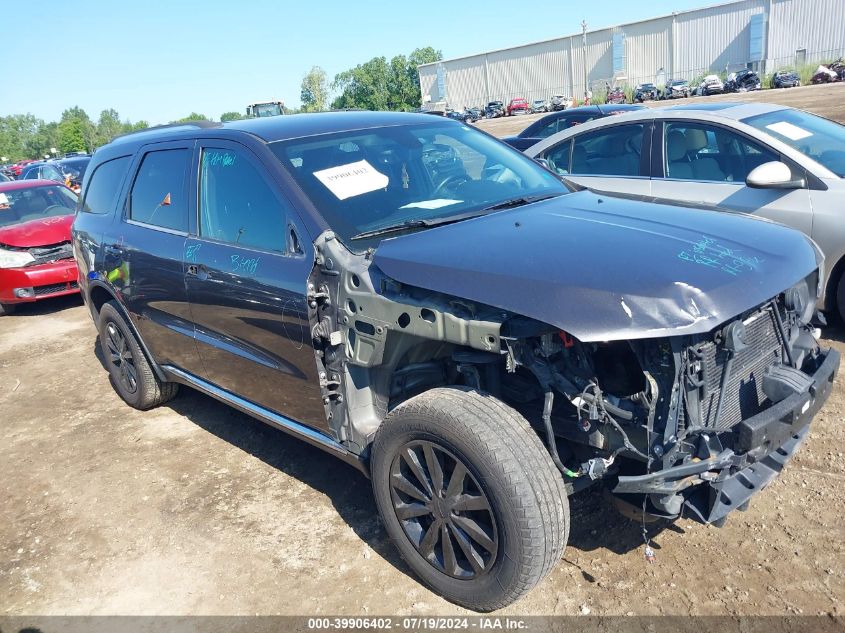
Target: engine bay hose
column 609, row 407
column 550, row 436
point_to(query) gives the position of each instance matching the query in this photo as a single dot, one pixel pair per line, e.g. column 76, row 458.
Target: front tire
column 470, row 496
column 130, row 373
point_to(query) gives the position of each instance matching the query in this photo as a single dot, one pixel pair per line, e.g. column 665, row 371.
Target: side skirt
column 300, row 431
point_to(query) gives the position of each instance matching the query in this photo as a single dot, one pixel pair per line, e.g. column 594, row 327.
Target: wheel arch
column 100, row 294
column 832, row 284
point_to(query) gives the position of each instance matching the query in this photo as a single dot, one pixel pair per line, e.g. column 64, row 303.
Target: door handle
column 197, row 270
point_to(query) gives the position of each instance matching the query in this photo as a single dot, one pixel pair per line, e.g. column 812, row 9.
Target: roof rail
column 204, row 124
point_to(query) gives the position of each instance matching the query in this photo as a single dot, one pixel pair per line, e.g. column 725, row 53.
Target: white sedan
column 774, row 162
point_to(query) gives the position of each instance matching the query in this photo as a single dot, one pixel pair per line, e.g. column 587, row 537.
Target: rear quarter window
column 159, row 196
column 104, row 185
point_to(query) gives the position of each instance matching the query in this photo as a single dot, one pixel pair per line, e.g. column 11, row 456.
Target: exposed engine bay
column 696, row 421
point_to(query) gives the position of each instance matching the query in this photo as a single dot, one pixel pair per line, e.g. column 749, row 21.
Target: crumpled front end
column 691, row 424
column 735, row 407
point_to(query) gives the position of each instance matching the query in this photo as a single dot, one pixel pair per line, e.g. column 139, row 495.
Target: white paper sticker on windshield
column 437, row 203
column 792, row 132
column 3, row 198
column 353, row 179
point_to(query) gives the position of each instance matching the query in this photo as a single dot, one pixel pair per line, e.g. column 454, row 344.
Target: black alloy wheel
column 443, row 510
column 120, row 357
column 129, row 370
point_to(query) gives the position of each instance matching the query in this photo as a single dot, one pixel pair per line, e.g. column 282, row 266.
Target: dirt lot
column 194, row 508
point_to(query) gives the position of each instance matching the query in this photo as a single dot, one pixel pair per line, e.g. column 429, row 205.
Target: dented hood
column 43, row 232
column 605, row 268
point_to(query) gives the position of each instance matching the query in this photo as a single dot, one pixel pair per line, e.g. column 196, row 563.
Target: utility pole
column 584, row 55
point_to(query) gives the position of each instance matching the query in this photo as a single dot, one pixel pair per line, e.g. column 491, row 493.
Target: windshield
column 365, row 180
column 267, row 109
column 75, row 168
column 815, row 137
column 35, row 203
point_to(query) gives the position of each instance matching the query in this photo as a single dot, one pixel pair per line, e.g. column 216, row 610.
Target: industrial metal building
column 760, row 34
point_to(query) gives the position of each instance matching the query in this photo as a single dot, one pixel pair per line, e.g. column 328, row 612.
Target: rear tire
column 130, row 373
column 839, row 300
column 486, row 539
column 7, row 309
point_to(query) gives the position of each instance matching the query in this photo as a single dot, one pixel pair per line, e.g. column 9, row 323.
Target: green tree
column 379, row 85
column 108, row 126
column 16, row 134
column 25, row 136
column 315, row 90
column 76, row 132
column 365, row 86
column 193, row 116
column 72, row 136
column 418, row 56
column 128, row 127
column 231, row 116
column 45, row 138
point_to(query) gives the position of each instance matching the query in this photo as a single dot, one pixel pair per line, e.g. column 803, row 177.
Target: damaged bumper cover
column 763, row 444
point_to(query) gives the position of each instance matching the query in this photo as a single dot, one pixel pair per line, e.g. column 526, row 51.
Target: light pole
column 584, row 53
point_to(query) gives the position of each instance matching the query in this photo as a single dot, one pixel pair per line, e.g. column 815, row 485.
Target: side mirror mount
column 543, row 162
column 774, row 175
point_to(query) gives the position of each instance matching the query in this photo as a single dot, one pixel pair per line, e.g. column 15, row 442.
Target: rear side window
column 48, row 172
column 547, row 130
column 236, row 204
column 159, row 195
column 105, row 185
column 613, row 151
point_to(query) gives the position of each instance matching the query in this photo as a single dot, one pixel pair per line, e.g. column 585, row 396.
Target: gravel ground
column 194, row 508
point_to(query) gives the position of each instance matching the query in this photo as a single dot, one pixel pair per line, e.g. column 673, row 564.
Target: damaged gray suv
column 474, row 334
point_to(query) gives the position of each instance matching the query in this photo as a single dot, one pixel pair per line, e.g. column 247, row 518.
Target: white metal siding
column 647, row 49
column 465, row 82
column 599, row 55
column 428, row 82
column 715, row 39
column 685, row 45
column 529, row 71
column 815, row 25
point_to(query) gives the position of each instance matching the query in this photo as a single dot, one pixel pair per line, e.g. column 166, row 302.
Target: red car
column 17, row 168
column 36, row 258
column 518, row 106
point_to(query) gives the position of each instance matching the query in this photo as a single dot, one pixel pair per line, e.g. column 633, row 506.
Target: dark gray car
column 441, row 312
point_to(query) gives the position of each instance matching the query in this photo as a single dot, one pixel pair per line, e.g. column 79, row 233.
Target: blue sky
column 160, row 60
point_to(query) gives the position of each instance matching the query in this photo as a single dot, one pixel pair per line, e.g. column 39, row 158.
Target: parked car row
column 481, row 334
column 519, row 105
column 68, row 170
column 741, row 81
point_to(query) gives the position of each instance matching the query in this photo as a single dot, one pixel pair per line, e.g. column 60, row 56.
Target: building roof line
column 578, row 34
